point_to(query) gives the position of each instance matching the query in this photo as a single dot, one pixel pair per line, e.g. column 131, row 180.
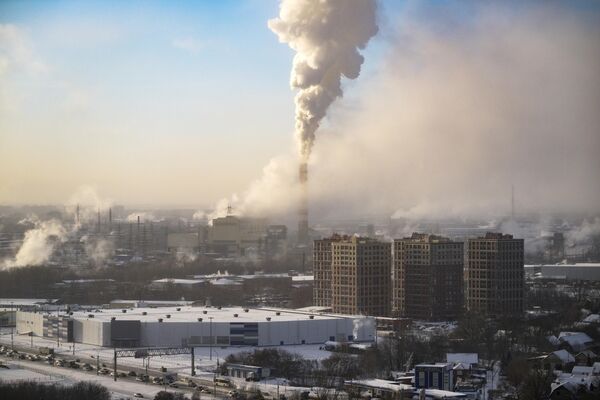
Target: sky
column 188, row 104
column 168, row 102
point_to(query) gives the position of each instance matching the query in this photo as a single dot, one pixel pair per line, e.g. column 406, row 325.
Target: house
column 586, row 357
column 560, row 360
column 580, row 380
column 575, row 341
column 591, row 319
column 248, row 372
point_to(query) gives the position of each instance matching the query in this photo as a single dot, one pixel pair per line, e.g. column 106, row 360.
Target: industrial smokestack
column 303, row 208
column 327, row 36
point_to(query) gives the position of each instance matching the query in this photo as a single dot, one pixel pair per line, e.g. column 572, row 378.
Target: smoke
column 97, row 249
column 466, row 102
column 327, row 36
column 143, row 215
column 44, row 237
column 38, row 244
column 582, row 234
column 89, row 202
column 464, row 106
column 273, row 194
column 185, row 255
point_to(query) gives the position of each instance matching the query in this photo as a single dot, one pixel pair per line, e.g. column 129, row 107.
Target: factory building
column 197, row 326
column 233, row 236
column 360, row 276
column 564, row 272
column 427, row 277
column 495, row 275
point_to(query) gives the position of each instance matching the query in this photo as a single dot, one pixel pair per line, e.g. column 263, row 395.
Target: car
column 232, row 393
column 132, row 373
column 87, row 367
column 205, row 390
column 173, row 385
column 138, row 395
column 192, row 384
column 4, row 366
column 122, row 375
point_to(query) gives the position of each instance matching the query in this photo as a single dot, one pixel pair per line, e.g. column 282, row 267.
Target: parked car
column 138, row 395
column 132, row 373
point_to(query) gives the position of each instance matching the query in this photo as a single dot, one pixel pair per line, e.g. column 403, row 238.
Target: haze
column 456, row 103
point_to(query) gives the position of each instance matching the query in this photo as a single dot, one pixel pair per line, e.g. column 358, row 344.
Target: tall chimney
column 303, row 208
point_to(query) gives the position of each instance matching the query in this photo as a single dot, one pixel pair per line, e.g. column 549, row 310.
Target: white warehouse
column 197, row 326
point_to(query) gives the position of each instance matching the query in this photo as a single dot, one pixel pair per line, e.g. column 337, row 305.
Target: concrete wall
column 91, row 331
column 29, row 321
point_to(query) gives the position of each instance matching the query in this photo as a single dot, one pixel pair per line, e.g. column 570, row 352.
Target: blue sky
column 159, row 93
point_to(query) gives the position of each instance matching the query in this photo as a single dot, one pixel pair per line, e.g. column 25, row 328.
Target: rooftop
column 190, row 314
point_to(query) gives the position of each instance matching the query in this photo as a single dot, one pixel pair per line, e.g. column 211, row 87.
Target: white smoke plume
column 583, row 233
column 89, row 202
column 44, row 237
column 144, row 217
column 38, row 244
column 462, row 106
column 327, row 36
column 185, row 255
column 97, row 249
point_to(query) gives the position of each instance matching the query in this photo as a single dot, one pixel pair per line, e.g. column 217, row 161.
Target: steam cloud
column 463, row 106
column 38, row 244
column 326, row 35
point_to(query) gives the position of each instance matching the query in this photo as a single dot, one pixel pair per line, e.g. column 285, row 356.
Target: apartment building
column 427, row 278
column 495, row 275
column 322, row 269
column 360, row 276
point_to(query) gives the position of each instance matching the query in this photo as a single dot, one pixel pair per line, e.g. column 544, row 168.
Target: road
column 121, row 388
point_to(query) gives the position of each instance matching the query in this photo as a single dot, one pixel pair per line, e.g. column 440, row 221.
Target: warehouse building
column 197, row 326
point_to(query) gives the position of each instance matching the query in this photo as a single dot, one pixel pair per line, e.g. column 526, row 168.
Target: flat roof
column 191, row 314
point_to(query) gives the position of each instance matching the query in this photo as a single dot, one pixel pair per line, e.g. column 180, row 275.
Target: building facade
column 322, row 269
column 196, row 326
column 427, row 277
column 360, row 276
column 495, row 275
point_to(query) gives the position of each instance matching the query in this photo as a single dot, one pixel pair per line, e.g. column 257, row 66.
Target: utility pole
column 211, row 336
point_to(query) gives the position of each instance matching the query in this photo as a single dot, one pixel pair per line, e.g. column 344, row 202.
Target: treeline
column 35, row 391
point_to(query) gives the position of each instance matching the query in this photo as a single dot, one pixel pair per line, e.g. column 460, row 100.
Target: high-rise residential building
column 322, row 269
column 427, row 277
column 495, row 275
column 360, row 276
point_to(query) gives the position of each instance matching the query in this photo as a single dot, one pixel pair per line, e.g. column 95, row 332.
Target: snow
column 564, row 356
column 592, row 319
column 120, row 388
column 577, row 340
